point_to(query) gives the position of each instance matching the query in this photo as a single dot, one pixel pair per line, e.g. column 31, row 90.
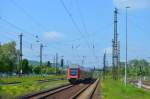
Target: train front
column 73, row 75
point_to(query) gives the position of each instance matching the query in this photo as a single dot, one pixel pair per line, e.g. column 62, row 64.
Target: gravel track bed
column 66, row 94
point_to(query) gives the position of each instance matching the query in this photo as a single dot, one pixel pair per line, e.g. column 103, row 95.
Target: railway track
column 78, row 91
column 144, row 84
column 89, row 92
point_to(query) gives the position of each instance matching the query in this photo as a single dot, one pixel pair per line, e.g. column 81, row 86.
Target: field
column 116, row 90
column 28, row 85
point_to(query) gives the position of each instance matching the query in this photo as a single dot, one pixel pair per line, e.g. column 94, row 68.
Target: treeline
column 9, row 62
column 135, row 68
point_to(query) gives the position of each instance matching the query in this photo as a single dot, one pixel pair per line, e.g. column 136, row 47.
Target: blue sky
column 48, row 20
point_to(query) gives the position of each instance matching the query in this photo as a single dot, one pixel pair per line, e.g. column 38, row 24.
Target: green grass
column 27, row 78
column 28, row 85
column 116, row 90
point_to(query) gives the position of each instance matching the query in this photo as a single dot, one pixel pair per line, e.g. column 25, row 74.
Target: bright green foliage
column 9, row 62
column 8, row 57
column 135, row 68
column 138, row 67
column 25, row 66
column 28, row 85
column 28, row 78
column 43, row 70
column 116, row 90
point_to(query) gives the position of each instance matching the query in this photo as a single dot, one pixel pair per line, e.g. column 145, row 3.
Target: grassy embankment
column 116, row 90
column 28, row 85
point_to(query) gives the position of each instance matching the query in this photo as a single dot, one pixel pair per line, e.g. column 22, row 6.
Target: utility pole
column 115, row 51
column 62, row 63
column 56, row 62
column 67, row 62
column 20, row 53
column 83, row 60
column 104, row 65
column 118, row 59
column 126, row 63
column 41, row 53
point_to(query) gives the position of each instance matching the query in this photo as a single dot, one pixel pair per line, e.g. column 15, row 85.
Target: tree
column 8, row 57
column 138, row 67
column 49, row 64
column 25, row 66
column 37, row 70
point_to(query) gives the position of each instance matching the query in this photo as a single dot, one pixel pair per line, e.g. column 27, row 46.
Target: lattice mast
column 115, row 47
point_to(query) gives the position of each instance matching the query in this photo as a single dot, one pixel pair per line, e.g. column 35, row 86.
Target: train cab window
column 73, row 71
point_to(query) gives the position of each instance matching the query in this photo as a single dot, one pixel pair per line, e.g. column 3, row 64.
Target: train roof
column 81, row 67
column 74, row 66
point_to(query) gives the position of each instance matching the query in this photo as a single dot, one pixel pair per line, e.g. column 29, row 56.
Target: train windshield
column 73, row 71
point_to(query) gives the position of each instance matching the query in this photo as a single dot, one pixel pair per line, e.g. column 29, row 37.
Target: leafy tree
column 49, row 63
column 8, row 57
column 25, row 66
column 37, row 70
column 135, row 68
column 138, row 67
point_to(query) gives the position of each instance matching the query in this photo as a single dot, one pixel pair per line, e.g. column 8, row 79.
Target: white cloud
column 53, row 35
column 108, row 50
column 134, row 4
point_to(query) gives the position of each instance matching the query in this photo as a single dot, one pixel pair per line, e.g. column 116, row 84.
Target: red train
column 76, row 74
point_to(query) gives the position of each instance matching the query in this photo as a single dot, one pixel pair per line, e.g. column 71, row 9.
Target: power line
column 82, row 19
column 72, row 19
column 85, row 29
column 5, row 35
column 16, row 27
column 74, row 23
column 137, row 25
column 12, row 25
column 27, row 14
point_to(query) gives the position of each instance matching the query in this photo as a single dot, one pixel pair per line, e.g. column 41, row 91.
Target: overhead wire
column 13, row 25
column 26, row 43
column 137, row 25
column 5, row 34
column 82, row 20
column 85, row 29
column 72, row 19
column 76, row 26
column 39, row 24
column 27, row 14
